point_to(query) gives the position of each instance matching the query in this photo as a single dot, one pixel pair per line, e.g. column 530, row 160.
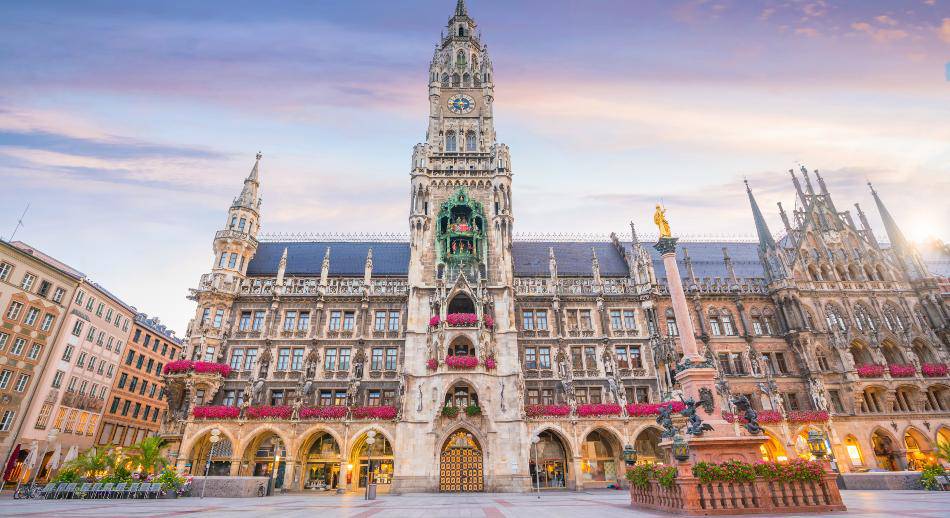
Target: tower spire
column 766, row 242
column 460, row 9
column 894, row 234
column 248, row 197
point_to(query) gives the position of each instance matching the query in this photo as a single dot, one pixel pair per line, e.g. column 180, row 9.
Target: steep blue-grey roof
column 573, row 258
column 346, row 258
column 530, row 258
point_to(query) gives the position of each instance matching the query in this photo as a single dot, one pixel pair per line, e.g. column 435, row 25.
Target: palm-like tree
column 92, row 461
column 148, row 454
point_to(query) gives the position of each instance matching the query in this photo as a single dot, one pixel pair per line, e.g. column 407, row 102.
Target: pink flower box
column 870, row 371
column 594, row 410
column 374, row 412
column 489, row 321
column 435, row 321
column 216, row 412
column 646, row 409
column 547, row 410
column 461, row 319
column 323, row 412
column 490, row 363
column 933, row 370
column 181, row 366
column 461, row 362
column 269, row 412
column 808, row 416
column 902, row 370
column 432, row 364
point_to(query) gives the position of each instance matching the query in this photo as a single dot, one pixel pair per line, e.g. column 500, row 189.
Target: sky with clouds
column 129, row 126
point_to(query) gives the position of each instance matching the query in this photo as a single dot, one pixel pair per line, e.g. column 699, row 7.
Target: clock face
column 461, row 103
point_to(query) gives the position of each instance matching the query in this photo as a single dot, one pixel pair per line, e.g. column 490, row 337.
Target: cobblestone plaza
column 600, row 504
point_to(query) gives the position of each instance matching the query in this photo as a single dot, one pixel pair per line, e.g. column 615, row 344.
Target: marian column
column 711, row 438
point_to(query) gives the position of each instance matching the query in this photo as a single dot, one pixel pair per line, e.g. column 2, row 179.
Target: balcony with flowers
column 462, row 320
column 902, row 370
column 652, row 409
column 599, row 410
column 287, row 413
column 774, row 417
column 187, row 366
column 870, row 370
column 934, row 370
column 537, row 411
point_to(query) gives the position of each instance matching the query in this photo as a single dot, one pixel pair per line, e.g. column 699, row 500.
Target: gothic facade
column 465, row 359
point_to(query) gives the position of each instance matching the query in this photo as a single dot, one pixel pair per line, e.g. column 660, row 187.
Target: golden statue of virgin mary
column 659, row 218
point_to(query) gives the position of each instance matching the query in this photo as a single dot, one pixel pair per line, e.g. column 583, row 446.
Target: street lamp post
column 215, row 437
column 273, row 473
column 370, row 440
column 50, row 437
column 537, row 474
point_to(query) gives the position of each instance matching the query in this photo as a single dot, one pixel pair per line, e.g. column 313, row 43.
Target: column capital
column 666, row 245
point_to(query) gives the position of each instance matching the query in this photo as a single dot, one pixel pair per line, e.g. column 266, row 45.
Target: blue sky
column 129, row 126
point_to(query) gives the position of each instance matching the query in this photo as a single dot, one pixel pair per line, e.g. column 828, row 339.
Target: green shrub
column 67, row 476
column 473, row 410
column 666, row 476
column 928, row 477
column 450, row 411
column 640, row 475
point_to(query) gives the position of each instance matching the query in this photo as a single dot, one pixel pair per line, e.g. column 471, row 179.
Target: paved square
column 599, row 504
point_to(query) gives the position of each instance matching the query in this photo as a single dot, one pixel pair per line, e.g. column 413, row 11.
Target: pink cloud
column 945, row 30
column 879, row 35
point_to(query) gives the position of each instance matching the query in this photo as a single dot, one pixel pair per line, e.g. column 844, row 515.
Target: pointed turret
column 460, row 9
column 248, row 197
column 368, row 267
column 325, row 267
column 868, row 233
column 595, row 265
column 766, row 242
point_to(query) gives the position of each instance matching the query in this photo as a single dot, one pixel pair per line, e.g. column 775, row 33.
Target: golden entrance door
column 460, row 467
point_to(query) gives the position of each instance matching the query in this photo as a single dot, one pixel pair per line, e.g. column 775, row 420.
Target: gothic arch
column 560, row 433
column 258, row 434
column 186, row 448
column 310, row 434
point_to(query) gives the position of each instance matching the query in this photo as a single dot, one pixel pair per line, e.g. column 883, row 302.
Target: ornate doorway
column 460, row 465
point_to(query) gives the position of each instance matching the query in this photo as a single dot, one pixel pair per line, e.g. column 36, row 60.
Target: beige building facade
column 463, row 358
column 34, row 294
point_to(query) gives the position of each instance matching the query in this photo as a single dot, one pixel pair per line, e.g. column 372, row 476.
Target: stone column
column 667, row 248
column 235, row 469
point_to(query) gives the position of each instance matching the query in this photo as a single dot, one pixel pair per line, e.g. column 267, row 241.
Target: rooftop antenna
column 19, row 222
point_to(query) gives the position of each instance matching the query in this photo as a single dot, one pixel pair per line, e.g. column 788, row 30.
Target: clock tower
column 461, row 341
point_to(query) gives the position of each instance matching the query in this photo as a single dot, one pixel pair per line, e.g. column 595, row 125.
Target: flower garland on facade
column 490, row 363
column 547, row 410
column 435, row 321
column 870, row 370
column 323, row 412
column 933, row 370
column 432, row 364
column 808, row 416
column 269, row 412
column 374, row 412
column 181, row 366
column 647, row 409
column 216, row 412
column 902, row 370
column 598, row 409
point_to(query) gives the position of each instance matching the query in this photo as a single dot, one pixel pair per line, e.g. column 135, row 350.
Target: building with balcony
column 463, row 358
column 137, row 403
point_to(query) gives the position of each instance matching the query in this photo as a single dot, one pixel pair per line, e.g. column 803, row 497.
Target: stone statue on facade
column 817, row 389
column 297, row 404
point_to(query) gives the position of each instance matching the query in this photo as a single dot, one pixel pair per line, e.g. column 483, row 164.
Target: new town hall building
column 465, row 359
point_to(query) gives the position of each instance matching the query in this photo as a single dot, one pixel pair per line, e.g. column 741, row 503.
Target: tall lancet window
column 470, row 141
column 450, row 143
